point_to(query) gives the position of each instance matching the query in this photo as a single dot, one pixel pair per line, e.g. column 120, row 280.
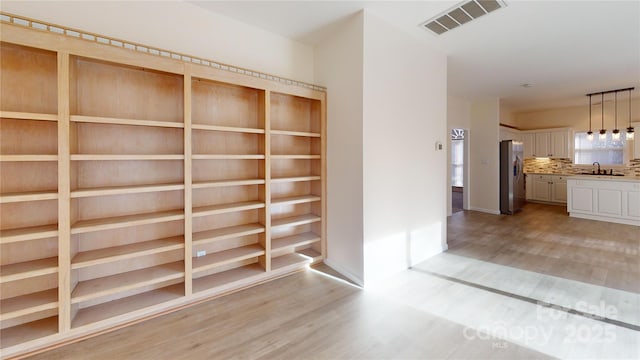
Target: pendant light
column 603, row 132
column 590, row 133
column 630, row 128
column 615, row 134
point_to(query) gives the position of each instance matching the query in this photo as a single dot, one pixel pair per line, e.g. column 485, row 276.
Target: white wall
column 339, row 60
column 484, row 156
column 405, row 181
column 458, row 117
column 178, row 26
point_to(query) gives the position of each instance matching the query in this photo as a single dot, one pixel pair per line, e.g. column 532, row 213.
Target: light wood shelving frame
column 132, row 185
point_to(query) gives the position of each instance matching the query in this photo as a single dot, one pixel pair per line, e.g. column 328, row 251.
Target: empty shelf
column 227, row 256
column 28, row 233
column 226, row 208
column 28, row 269
column 28, row 304
column 95, row 288
column 295, row 200
column 101, row 256
column 33, row 330
column 227, row 157
column 122, row 121
column 230, row 232
column 125, row 221
column 294, row 241
column 19, row 158
column 295, row 178
column 127, row 305
column 115, row 157
column 295, row 157
column 119, row 190
column 288, row 261
column 244, row 273
column 28, row 116
column 295, row 133
column 227, row 129
column 296, row 220
column 222, row 183
column 28, row 196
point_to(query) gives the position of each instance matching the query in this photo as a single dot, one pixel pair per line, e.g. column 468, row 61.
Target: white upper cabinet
column 560, row 144
column 529, row 141
column 554, row 143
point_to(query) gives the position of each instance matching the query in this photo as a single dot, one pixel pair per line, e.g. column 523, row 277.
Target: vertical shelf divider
column 266, row 108
column 323, row 173
column 64, row 195
column 188, row 196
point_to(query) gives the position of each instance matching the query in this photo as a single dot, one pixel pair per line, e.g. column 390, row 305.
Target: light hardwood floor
column 544, row 239
column 427, row 312
column 304, row 316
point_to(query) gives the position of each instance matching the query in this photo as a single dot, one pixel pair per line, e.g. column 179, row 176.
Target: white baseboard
column 344, row 272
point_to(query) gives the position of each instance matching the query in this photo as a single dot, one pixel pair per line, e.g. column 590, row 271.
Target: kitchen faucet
column 594, row 164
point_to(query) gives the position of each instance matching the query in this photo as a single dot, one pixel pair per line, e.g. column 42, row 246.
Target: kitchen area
column 558, row 168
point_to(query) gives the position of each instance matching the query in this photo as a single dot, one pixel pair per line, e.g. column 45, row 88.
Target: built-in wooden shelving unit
column 132, row 184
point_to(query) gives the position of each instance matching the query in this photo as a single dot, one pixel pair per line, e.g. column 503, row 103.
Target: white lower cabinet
column 547, row 188
column 604, row 199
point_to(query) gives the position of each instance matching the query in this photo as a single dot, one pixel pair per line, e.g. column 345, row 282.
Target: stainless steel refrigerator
column 512, row 195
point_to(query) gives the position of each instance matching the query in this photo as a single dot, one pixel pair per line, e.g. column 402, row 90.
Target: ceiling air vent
column 461, row 14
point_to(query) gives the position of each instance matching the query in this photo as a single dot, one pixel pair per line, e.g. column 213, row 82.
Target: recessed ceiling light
column 461, row 14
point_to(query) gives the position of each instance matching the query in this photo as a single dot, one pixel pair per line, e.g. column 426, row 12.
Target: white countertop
column 543, row 173
column 605, row 178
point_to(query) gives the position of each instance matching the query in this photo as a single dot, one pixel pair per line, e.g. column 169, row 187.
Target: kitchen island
column 605, row 198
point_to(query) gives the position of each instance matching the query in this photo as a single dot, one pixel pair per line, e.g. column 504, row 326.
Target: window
column 608, row 151
column 457, row 157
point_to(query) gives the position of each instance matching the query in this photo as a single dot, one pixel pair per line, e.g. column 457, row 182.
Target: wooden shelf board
column 28, row 269
column 108, row 285
column 295, row 200
column 122, row 121
column 295, row 157
column 292, row 260
column 28, row 116
column 294, row 241
column 231, row 232
column 21, row 158
column 21, row 334
column 125, row 221
column 28, row 304
column 243, row 273
column 223, row 183
column 227, row 128
column 115, row 157
column 106, row 255
column 310, row 254
column 28, row 233
column 119, row 190
column 227, row 256
column 226, row 208
column 227, row 157
column 28, row 196
column 295, row 133
column 127, row 305
column 295, row 178
column 296, row 220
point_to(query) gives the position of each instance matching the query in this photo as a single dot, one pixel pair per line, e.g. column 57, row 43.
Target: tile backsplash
column 565, row 166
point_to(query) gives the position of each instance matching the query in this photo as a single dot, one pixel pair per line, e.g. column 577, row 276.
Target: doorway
column 457, row 170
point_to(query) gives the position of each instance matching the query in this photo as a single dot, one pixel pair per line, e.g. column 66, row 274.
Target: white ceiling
column 566, row 49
